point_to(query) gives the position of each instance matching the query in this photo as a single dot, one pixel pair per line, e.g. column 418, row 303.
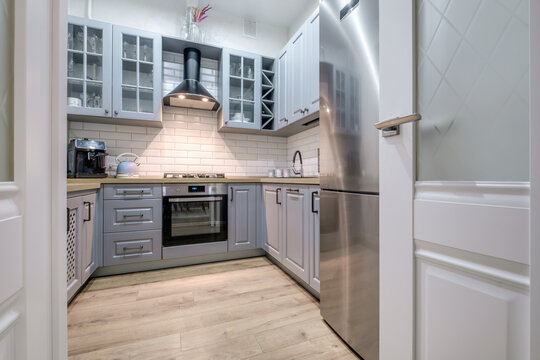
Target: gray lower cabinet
column 291, row 220
column 81, row 244
column 296, row 230
column 132, row 223
column 242, row 213
column 130, row 247
column 315, row 240
column 273, row 215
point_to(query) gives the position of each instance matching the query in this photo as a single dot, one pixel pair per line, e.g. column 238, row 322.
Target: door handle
column 278, row 190
column 313, row 202
column 67, row 220
column 391, row 127
column 89, row 213
column 232, row 194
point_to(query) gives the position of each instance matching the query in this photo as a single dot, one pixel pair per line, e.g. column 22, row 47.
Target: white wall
column 167, row 17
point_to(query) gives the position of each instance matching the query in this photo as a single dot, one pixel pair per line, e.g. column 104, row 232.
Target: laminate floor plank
column 234, row 310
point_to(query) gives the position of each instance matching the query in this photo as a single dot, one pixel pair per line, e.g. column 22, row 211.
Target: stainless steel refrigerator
column 349, row 90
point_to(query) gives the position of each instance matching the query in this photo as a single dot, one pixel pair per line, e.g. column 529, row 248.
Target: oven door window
column 195, row 220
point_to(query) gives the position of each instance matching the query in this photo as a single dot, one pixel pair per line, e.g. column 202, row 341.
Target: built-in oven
column 194, row 214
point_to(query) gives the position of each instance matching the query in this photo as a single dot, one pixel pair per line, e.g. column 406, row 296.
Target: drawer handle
column 313, row 195
column 293, row 190
column 133, row 192
column 128, row 248
column 132, row 216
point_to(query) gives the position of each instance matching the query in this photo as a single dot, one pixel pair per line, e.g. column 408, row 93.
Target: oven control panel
column 196, row 189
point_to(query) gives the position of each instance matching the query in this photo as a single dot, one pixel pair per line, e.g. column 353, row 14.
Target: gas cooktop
column 176, row 175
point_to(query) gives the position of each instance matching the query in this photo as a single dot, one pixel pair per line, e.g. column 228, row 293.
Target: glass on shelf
column 146, row 51
column 129, row 47
column 129, row 98
column 75, row 37
column 94, row 67
column 236, row 66
column 75, row 65
column 235, row 111
column 75, row 93
column 146, row 101
column 249, row 112
column 94, row 95
column 146, row 75
column 249, row 68
column 129, row 72
column 249, row 90
column 235, row 88
column 94, row 40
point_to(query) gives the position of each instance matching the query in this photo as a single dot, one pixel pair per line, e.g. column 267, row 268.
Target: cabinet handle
column 277, row 196
column 106, row 111
column 293, row 190
column 306, row 110
column 232, row 194
column 313, row 202
column 283, row 119
column 297, row 111
column 128, row 248
column 130, row 216
column 89, row 213
column 133, row 192
column 67, row 221
column 115, row 112
column 315, row 101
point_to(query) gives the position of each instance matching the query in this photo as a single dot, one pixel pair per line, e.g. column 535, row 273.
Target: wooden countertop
column 89, row 184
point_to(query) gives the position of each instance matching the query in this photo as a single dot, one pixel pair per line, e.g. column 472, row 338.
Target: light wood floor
column 243, row 309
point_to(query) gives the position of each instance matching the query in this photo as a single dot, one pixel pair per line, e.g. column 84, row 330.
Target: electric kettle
column 127, row 168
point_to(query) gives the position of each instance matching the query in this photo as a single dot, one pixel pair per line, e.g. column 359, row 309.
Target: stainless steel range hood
column 191, row 93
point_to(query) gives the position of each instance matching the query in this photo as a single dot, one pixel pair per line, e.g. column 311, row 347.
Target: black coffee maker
column 86, row 159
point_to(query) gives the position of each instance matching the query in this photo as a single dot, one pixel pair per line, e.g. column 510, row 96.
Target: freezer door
column 349, row 95
column 349, row 269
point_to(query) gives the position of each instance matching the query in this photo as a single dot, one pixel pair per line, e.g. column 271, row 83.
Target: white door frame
column 402, row 206
column 535, row 178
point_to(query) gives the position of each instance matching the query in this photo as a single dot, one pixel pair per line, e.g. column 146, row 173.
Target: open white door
column 455, row 198
column 32, row 180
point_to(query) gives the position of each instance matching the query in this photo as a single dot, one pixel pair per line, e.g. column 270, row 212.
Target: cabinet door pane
column 146, row 101
column 236, row 66
column 75, row 65
column 235, row 91
column 75, row 93
column 94, row 95
column 235, row 111
column 129, row 99
column 146, row 75
column 249, row 68
column 146, row 51
column 94, row 67
column 94, row 40
column 129, row 47
column 249, row 112
column 249, row 90
column 76, row 37
column 129, row 72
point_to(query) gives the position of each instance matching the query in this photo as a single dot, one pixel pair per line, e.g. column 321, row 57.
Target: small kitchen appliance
column 127, row 168
column 86, row 159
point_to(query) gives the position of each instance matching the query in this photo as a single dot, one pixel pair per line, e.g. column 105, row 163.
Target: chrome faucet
column 296, row 172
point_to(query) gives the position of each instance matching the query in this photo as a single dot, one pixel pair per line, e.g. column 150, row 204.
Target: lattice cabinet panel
column 72, row 245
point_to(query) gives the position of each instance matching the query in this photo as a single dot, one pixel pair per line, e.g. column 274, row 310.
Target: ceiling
column 282, row 13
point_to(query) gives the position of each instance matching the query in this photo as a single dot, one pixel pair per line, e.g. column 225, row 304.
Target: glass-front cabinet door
column 89, row 67
column 241, row 89
column 137, row 74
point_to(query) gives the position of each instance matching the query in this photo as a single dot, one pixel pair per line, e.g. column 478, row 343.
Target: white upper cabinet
column 89, row 67
column 113, row 71
column 312, row 64
column 298, row 74
column 283, row 88
column 241, row 101
column 137, row 68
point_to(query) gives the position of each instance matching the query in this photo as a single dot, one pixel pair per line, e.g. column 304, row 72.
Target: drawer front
column 132, row 215
column 132, row 191
column 132, row 247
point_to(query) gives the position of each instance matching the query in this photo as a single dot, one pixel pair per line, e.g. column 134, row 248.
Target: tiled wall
column 189, row 141
column 307, row 142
